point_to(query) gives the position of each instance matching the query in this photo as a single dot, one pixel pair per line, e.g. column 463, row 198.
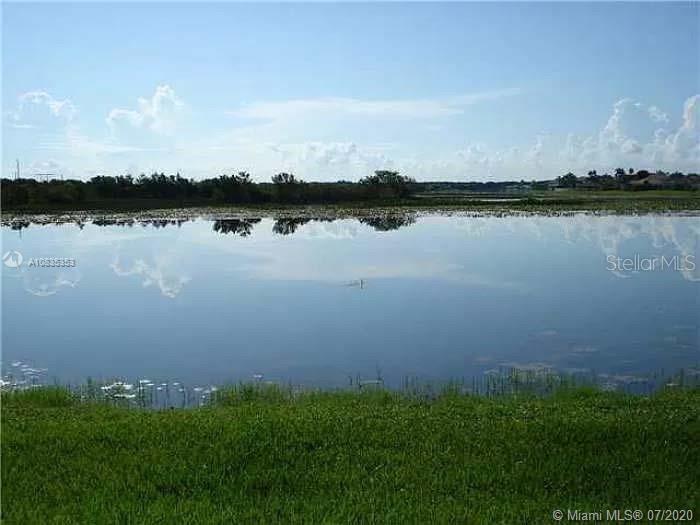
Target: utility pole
column 17, row 170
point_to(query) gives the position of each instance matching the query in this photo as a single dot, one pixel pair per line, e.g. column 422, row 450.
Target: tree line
column 631, row 180
column 239, row 188
column 384, row 186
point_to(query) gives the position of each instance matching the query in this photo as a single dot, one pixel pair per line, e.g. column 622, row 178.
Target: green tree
column 387, row 183
column 287, row 188
column 568, row 181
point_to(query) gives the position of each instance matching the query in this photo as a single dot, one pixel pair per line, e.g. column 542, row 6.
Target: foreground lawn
column 349, row 458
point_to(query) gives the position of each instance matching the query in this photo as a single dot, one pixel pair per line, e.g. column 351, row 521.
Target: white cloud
column 480, row 162
column 416, row 108
column 319, row 139
column 536, row 154
column 631, row 123
column 46, row 166
column 39, row 109
column 145, row 134
column 78, row 144
column 331, row 159
column 159, row 113
column 657, row 115
column 685, row 143
column 634, row 135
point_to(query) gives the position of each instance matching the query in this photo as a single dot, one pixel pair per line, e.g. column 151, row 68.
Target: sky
column 438, row 91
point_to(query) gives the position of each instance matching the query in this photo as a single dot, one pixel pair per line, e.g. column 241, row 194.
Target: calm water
column 316, row 302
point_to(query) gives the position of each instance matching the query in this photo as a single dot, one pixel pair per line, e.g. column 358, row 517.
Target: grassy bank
column 348, row 458
column 571, row 200
column 538, row 202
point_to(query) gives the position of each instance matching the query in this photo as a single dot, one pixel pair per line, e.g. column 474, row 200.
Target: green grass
column 570, row 200
column 347, row 457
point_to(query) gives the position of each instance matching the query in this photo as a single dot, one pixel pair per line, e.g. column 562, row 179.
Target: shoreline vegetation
column 243, row 221
column 625, row 192
column 377, row 456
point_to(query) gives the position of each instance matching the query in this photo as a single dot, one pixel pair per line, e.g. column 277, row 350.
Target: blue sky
column 439, row 91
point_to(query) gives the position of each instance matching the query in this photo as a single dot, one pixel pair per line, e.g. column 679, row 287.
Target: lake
column 317, row 302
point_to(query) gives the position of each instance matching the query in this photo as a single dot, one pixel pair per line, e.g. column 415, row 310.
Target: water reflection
column 39, row 286
column 318, row 298
column 288, row 226
column 240, row 227
column 20, row 224
column 387, row 223
column 130, row 222
column 159, row 274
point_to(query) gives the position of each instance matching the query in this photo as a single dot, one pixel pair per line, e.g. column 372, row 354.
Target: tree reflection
column 105, row 221
column 385, row 223
column 288, row 226
column 240, row 227
column 19, row 225
column 155, row 223
column 162, row 223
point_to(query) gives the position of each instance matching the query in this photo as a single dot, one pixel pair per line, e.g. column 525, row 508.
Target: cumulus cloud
column 159, row 113
column 39, row 109
column 480, row 162
column 685, row 143
column 50, row 127
column 317, row 139
column 338, row 159
column 536, row 153
column 638, row 134
column 630, row 121
column 635, row 134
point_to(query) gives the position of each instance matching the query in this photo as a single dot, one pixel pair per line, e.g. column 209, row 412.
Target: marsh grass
column 503, row 381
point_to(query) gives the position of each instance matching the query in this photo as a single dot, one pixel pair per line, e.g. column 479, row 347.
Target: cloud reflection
column 169, row 284
column 39, row 286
